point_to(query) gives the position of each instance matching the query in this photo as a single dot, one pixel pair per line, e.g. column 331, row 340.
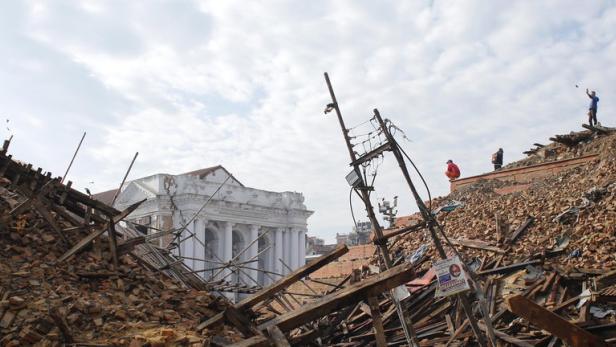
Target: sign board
column 451, row 276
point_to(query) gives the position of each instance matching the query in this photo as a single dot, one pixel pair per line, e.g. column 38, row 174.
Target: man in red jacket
column 453, row 171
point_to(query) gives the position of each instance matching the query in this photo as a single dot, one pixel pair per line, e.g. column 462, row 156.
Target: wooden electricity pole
column 363, row 192
column 430, row 223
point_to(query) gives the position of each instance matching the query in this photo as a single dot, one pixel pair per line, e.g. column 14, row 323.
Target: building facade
column 254, row 228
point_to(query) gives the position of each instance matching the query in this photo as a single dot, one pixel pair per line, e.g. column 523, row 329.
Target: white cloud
column 193, row 84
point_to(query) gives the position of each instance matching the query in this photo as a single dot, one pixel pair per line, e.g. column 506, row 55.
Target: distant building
column 342, row 239
column 359, row 236
column 316, row 247
column 234, row 217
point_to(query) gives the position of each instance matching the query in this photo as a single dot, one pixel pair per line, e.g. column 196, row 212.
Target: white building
column 234, row 217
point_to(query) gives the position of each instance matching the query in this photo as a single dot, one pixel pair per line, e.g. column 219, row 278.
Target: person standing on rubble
column 592, row 107
column 453, row 171
column 497, row 159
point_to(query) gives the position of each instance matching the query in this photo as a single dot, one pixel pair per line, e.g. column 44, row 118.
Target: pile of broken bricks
column 64, row 281
column 542, row 262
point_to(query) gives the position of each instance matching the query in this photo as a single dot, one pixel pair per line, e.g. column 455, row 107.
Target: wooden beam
column 240, row 321
column 42, row 210
column 113, row 243
column 394, row 233
column 599, row 129
column 507, row 338
column 477, row 244
column 377, row 322
column 277, row 337
column 553, row 323
column 270, row 291
column 293, row 277
column 354, row 293
column 499, row 229
column 86, row 240
column 15, row 171
column 60, row 322
column 520, row 230
column 508, row 268
column 255, row 341
column 32, row 197
column 606, row 280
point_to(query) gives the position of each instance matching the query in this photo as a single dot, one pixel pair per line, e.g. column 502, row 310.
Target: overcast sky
column 240, row 83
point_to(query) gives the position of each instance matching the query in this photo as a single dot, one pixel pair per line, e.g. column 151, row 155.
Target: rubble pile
column 576, row 207
column 540, row 263
column 567, row 146
column 59, row 287
column 543, row 259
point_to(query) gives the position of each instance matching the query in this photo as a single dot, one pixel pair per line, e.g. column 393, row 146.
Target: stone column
column 228, row 246
column 270, row 265
column 190, row 242
column 294, row 261
column 252, row 254
column 302, row 248
column 200, row 246
column 286, row 250
column 278, row 253
column 220, row 250
column 176, row 225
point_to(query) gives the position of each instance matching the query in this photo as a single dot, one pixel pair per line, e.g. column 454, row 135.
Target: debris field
column 541, row 263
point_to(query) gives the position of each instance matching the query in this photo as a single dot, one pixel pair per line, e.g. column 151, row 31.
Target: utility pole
column 430, row 222
column 363, row 191
column 388, row 211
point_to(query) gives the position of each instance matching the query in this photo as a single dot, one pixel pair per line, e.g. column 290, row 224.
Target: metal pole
column 124, row 179
column 72, row 159
column 429, row 219
column 405, row 319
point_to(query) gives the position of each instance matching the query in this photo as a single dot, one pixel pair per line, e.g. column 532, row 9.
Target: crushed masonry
column 542, row 261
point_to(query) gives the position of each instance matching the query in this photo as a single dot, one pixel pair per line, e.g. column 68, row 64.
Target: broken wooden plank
column 499, row 229
column 371, row 286
column 293, row 277
column 270, row 291
column 477, row 244
column 520, row 230
column 54, row 313
column 553, row 323
column 599, row 129
column 277, row 337
column 606, row 280
column 573, row 138
column 377, row 322
column 130, row 244
column 113, row 243
column 507, row 338
column 255, row 341
column 240, row 321
column 509, row 268
column 88, row 239
column 389, row 235
column 33, row 196
column 42, row 210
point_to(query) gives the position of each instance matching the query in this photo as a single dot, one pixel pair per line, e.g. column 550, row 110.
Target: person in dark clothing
column 497, row 159
column 592, row 107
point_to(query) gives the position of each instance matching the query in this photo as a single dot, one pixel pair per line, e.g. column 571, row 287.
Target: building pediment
column 134, row 192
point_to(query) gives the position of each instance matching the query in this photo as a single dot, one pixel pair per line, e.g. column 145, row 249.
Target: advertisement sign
column 451, row 276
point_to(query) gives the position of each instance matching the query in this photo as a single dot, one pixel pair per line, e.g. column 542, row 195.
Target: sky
column 193, row 84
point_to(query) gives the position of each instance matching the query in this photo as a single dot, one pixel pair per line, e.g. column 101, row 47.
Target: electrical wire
column 351, row 205
column 360, row 124
column 419, row 173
